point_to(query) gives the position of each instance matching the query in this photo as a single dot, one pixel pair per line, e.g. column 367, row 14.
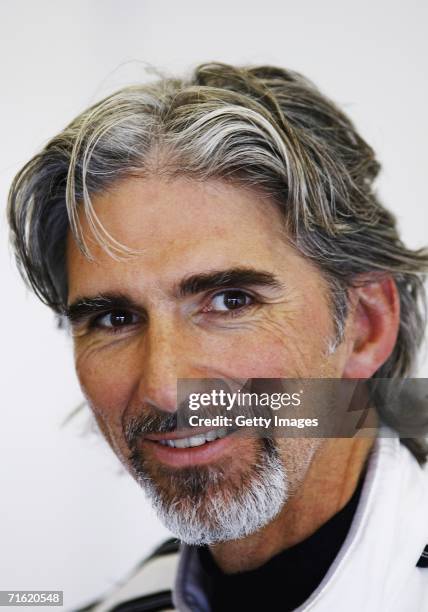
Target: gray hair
column 261, row 127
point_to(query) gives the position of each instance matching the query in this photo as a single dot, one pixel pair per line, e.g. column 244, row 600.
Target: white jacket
column 374, row 571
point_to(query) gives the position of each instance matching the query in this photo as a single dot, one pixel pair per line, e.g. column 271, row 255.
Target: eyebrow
column 85, row 306
column 223, row 279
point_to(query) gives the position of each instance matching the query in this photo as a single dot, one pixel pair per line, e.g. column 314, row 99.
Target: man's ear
column 372, row 327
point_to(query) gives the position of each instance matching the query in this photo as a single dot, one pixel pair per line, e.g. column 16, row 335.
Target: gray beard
column 203, row 506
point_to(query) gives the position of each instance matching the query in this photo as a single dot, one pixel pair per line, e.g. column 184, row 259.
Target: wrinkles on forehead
column 181, row 228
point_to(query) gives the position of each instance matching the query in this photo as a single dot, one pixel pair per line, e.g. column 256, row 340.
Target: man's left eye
column 230, row 300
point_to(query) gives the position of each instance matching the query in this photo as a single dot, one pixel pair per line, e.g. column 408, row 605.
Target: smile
column 198, row 440
column 178, row 450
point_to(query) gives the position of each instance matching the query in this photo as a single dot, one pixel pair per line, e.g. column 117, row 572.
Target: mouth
column 196, row 440
column 178, row 450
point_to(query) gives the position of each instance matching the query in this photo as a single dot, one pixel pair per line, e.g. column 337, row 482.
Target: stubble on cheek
column 297, row 456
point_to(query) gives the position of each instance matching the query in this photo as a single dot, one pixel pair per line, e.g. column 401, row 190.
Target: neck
column 327, row 487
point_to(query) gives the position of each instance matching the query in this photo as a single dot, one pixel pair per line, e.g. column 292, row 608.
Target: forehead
column 179, row 227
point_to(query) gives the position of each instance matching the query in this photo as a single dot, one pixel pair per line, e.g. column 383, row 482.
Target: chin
column 211, row 504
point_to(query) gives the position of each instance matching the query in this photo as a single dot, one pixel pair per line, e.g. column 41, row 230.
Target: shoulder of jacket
column 149, row 586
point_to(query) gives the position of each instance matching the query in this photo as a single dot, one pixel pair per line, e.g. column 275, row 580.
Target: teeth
column 198, row 440
column 211, row 435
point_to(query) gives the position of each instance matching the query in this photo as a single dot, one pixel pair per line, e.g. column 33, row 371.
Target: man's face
column 215, row 292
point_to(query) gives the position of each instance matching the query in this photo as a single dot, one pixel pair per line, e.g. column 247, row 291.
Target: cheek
column 253, row 357
column 292, row 343
column 107, row 381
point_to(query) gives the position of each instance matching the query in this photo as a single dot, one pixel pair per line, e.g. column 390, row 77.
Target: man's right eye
column 115, row 319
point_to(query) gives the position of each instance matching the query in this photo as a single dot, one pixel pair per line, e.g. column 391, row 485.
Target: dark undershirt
column 288, row 579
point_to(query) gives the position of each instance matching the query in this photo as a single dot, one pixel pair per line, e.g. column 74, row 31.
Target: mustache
column 149, row 422
column 155, row 421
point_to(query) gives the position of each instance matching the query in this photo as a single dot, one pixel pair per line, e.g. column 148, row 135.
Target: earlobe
column 373, row 327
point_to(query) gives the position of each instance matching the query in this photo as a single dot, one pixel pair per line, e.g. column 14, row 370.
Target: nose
column 164, row 357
